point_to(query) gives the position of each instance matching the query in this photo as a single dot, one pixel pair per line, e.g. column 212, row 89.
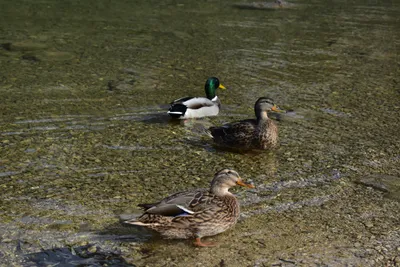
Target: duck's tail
column 177, row 110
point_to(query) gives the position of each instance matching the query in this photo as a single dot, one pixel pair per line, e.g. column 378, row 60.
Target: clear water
column 78, row 153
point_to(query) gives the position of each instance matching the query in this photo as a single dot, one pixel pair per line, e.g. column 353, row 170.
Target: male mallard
column 197, row 107
column 260, row 133
column 195, row 213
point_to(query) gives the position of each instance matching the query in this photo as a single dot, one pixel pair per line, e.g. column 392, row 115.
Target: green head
column 212, row 84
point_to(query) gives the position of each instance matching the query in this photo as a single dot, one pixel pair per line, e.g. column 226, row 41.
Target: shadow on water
column 156, row 118
column 123, row 232
column 88, row 255
column 92, row 254
column 265, row 5
column 132, row 234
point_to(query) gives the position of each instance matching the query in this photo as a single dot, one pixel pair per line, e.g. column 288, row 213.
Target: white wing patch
column 185, row 209
column 198, row 102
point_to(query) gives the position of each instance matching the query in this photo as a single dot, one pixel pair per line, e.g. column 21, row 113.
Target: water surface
column 84, row 137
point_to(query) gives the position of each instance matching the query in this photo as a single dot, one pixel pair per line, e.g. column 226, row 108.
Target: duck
column 195, row 213
column 260, row 133
column 198, row 107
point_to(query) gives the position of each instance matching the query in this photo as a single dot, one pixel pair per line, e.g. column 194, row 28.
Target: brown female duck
column 196, row 213
column 259, row 133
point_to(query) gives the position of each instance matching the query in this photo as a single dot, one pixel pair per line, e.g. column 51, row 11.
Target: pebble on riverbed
column 23, row 46
column 33, row 51
column 121, row 85
column 385, row 183
column 265, row 5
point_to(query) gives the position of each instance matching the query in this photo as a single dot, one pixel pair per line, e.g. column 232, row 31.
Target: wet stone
column 30, row 57
column 369, row 224
column 48, row 56
column 24, row 46
column 121, row 85
column 265, row 5
column 129, row 71
column 76, row 256
column 385, row 183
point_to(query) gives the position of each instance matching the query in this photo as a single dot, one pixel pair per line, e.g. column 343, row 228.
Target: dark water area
column 84, row 134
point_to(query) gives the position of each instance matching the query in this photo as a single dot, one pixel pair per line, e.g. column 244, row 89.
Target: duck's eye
column 232, row 172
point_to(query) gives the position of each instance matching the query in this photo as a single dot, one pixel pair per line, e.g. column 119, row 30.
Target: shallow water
column 78, row 153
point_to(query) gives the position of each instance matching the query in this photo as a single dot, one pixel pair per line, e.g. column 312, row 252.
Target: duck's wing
column 193, row 102
column 177, row 109
column 194, row 107
column 198, row 102
column 235, row 134
column 183, row 203
column 181, row 100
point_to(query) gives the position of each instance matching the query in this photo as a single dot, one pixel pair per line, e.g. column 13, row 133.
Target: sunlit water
column 78, row 152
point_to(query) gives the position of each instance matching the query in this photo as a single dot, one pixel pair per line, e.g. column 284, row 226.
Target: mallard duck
column 195, row 213
column 197, row 107
column 259, row 133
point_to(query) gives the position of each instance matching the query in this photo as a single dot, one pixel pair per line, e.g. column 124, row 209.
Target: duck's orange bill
column 277, row 109
column 241, row 183
column 221, row 86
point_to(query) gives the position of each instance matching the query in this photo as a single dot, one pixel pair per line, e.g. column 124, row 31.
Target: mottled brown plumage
column 195, row 213
column 259, row 133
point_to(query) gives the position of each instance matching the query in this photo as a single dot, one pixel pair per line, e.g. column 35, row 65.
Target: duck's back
column 236, row 135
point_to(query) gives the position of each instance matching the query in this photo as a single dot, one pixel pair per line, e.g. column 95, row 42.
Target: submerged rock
column 48, row 56
column 88, row 255
column 277, row 4
column 385, row 183
column 24, row 46
column 121, row 85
